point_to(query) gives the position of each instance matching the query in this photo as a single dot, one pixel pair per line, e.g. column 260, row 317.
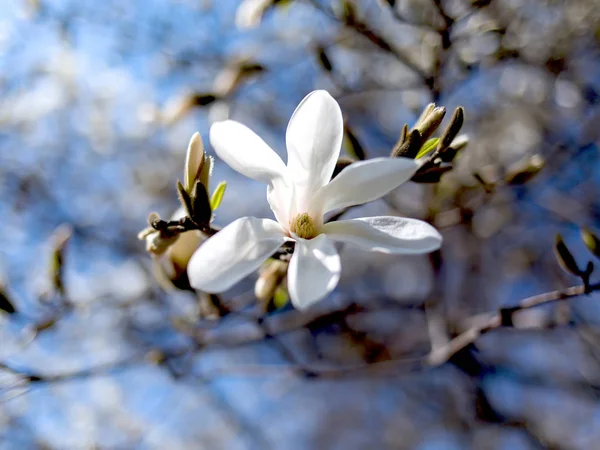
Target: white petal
column 314, row 271
column 314, row 139
column 244, row 151
column 386, row 234
column 364, row 181
column 194, row 159
column 280, row 195
column 234, row 252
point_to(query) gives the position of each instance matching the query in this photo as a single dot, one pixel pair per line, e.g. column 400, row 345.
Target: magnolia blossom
column 299, row 194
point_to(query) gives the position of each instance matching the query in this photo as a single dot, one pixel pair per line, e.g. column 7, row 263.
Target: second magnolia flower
column 300, row 193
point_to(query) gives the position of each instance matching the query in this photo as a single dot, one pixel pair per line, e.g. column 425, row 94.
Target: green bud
column 217, row 196
column 591, row 241
column 427, row 147
column 271, row 277
column 281, row 297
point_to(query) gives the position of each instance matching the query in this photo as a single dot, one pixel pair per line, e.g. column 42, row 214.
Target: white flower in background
column 299, row 195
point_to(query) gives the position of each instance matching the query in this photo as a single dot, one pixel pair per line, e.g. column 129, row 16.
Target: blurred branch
column 503, row 318
column 351, row 21
column 271, row 327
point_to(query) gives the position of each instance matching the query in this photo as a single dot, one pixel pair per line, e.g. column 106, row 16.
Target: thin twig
column 484, row 323
column 502, row 318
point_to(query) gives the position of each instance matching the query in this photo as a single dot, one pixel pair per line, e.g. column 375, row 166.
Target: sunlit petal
column 314, row 139
column 386, row 234
column 234, row 252
column 244, row 151
column 365, row 181
column 314, row 271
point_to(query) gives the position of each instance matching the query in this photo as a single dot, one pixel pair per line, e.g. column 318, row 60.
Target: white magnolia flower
column 299, row 195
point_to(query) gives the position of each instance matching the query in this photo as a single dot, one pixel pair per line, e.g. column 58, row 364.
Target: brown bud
column 158, row 242
column 323, row 59
column 270, row 279
column 431, row 174
column 430, row 123
column 201, row 210
column 410, row 147
column 59, row 241
column 453, row 128
column 565, row 257
column 185, row 199
column 525, row 170
column 6, row 303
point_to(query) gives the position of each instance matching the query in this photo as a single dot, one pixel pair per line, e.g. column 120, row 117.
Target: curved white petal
column 364, row 181
column 314, row 271
column 244, row 151
column 194, row 159
column 386, row 234
column 280, row 195
column 314, row 139
column 234, row 252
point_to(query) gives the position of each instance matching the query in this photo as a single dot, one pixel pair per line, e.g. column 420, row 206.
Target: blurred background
column 98, row 101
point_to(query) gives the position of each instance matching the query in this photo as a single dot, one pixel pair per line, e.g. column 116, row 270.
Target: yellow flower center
column 303, row 226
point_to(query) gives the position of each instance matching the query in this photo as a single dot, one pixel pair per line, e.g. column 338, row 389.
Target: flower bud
column 270, row 279
column 194, row 162
column 409, row 148
column 453, row 128
column 430, row 122
column 158, row 242
column 524, row 170
column 250, row 13
column 565, row 258
column 59, row 240
column 173, row 262
column 591, row 241
column 457, row 145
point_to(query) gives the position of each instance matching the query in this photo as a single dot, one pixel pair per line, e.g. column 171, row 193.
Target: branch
column 502, row 318
column 484, row 323
column 353, row 23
